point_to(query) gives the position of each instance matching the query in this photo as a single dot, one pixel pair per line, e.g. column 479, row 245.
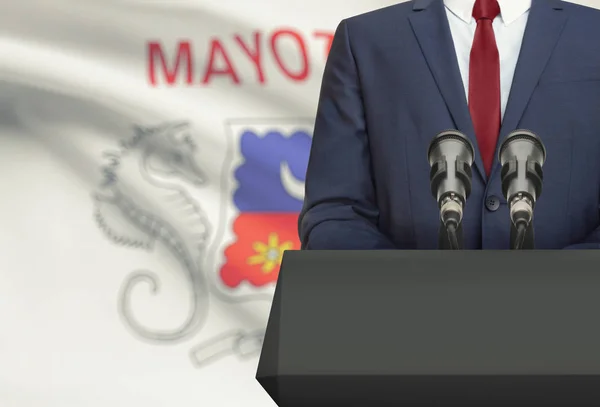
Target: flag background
column 145, row 204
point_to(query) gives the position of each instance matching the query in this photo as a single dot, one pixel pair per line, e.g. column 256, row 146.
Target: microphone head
column 522, row 144
column 450, row 156
column 451, row 143
column 522, row 155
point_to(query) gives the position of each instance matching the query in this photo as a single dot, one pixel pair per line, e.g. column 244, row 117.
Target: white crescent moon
column 291, row 184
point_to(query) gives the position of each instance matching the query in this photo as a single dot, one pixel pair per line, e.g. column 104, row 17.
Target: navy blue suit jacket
column 392, row 82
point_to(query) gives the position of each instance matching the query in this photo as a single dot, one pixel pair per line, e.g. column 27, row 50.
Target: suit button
column 492, row 203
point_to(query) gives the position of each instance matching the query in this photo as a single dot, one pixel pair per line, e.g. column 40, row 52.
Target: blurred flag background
column 152, row 159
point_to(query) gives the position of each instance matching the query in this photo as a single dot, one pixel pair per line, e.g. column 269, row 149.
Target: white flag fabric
column 152, row 157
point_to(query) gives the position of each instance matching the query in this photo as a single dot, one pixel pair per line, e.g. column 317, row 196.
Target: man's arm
column 339, row 206
column 592, row 241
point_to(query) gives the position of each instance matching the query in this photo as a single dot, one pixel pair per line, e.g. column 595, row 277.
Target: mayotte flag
column 268, row 199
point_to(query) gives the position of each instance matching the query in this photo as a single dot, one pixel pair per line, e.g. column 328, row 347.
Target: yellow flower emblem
column 269, row 254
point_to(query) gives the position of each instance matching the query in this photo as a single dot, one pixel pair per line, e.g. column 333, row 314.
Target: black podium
column 434, row 328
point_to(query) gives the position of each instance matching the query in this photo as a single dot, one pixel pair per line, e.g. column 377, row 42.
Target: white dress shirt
column 509, row 28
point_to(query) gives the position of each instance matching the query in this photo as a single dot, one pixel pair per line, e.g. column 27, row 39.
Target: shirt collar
column 510, row 10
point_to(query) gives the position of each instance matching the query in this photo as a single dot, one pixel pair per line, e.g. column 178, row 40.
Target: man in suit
column 398, row 76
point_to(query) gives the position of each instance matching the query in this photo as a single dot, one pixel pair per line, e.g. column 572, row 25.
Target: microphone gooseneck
column 521, row 232
column 452, row 236
column 522, row 155
column 450, row 156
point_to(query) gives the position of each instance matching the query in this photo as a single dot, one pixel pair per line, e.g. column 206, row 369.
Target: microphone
column 450, row 156
column 522, row 155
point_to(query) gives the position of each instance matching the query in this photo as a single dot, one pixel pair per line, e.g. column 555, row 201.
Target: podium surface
column 434, row 328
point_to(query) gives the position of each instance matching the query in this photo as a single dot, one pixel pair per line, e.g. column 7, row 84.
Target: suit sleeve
column 340, row 212
column 592, row 241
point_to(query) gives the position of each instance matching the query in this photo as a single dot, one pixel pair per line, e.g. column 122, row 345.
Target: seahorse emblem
column 148, row 200
column 143, row 203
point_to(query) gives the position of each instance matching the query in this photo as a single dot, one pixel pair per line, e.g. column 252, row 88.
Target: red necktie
column 484, row 81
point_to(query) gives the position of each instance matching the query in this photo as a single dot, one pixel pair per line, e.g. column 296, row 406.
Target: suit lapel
column 544, row 27
column 430, row 25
